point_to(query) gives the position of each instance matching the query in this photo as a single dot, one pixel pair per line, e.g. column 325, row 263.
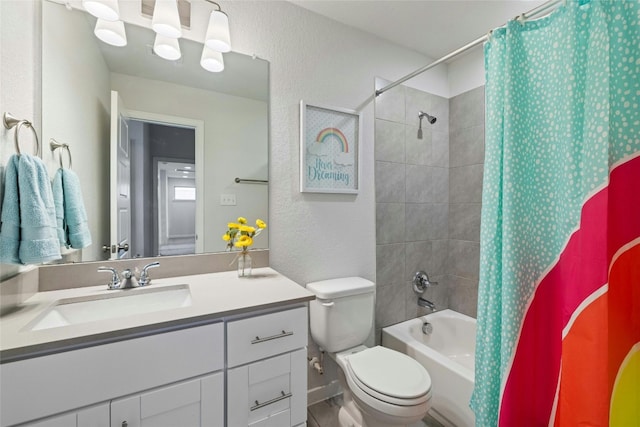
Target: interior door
column 120, row 202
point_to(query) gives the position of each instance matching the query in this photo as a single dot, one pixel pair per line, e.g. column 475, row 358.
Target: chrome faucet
column 115, row 278
column 426, row 304
column 420, row 284
column 144, row 276
column 129, row 279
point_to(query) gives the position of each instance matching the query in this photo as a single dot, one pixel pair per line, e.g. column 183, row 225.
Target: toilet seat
column 388, row 376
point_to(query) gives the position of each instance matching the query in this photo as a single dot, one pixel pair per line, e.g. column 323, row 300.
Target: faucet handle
column 115, row 279
column 144, row 276
column 421, row 282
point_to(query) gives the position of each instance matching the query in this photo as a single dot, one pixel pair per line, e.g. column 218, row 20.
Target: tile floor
column 325, row 414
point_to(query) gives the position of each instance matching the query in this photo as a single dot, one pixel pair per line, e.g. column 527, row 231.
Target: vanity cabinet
column 43, row 386
column 170, row 378
column 192, row 403
column 267, row 376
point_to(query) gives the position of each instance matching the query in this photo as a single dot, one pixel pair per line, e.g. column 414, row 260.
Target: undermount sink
column 73, row 311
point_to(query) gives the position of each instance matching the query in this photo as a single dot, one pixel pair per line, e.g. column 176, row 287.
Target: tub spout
column 426, row 303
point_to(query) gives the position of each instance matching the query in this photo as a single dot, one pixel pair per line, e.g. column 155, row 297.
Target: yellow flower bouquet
column 241, row 235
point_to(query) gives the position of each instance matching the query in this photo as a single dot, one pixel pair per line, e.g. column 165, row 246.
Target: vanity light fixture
column 111, row 32
column 167, row 48
column 217, row 37
column 166, row 20
column 107, row 10
column 211, row 60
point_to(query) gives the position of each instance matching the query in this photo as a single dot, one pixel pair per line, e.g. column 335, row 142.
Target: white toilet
column 382, row 387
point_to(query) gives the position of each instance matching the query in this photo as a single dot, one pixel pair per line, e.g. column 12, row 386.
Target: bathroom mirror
column 187, row 135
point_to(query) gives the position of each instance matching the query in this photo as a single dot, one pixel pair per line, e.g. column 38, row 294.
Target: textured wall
column 466, row 164
column 19, row 78
column 315, row 236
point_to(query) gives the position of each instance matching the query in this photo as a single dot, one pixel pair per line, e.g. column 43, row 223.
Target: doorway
column 163, row 188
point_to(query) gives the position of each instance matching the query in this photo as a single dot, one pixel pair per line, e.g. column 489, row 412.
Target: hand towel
column 10, row 217
column 71, row 216
column 28, row 213
column 58, row 201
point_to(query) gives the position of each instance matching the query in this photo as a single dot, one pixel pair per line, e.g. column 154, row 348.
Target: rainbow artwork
column 334, row 134
column 329, row 151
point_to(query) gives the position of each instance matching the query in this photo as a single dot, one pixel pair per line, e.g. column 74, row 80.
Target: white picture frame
column 329, row 149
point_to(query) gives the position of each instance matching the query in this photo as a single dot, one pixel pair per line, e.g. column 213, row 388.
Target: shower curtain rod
column 526, row 15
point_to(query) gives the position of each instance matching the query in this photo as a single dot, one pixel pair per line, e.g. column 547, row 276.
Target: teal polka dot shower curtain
column 559, row 296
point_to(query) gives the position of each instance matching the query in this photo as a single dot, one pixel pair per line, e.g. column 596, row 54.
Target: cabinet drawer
column 266, row 391
column 276, row 420
column 263, row 336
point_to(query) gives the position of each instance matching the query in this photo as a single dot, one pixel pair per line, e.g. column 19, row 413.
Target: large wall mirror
column 183, row 137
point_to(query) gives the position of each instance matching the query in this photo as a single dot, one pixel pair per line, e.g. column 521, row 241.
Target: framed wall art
column 329, row 149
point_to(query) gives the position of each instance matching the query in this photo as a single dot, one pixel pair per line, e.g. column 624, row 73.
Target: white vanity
column 234, row 356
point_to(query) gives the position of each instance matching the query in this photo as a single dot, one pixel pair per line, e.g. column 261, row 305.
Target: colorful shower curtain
column 559, row 301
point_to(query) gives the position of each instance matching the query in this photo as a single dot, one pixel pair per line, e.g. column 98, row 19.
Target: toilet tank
column 341, row 316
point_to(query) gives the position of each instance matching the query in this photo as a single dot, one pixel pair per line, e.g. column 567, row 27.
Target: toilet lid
column 390, row 373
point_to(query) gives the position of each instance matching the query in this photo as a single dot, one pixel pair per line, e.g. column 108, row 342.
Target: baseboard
column 324, row 392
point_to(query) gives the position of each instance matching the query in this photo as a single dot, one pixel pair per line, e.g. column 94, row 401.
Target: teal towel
column 10, row 217
column 71, row 217
column 27, row 232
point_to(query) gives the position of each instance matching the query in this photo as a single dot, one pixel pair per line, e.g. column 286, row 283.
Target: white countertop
column 213, row 296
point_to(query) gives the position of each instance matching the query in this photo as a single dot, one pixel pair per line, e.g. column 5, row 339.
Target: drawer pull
column 258, row 340
column 269, row 402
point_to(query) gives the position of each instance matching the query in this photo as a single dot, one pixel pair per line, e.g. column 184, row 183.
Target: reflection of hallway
column 177, row 208
column 163, row 206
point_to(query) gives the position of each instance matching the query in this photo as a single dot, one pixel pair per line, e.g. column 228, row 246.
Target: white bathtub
column 448, row 353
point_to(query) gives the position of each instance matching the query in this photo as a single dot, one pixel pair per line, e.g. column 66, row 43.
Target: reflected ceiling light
column 166, row 20
column 217, row 37
column 167, row 47
column 103, row 9
column 211, row 60
column 111, row 32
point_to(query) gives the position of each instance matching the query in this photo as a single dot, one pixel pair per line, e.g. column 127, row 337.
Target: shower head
column 430, row 119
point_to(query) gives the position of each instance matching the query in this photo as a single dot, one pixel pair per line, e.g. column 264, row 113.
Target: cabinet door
column 193, row 403
column 95, row 416
column 67, row 420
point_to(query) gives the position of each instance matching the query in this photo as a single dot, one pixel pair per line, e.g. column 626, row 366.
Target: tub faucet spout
column 426, row 303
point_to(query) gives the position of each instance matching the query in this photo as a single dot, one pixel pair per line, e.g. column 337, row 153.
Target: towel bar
column 253, row 181
column 10, row 122
column 54, row 145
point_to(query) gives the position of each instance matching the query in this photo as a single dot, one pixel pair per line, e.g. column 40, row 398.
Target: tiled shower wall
column 412, row 201
column 466, row 162
column 428, row 198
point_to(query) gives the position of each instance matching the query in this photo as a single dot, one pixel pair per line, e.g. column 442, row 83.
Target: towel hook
column 10, row 122
column 54, row 145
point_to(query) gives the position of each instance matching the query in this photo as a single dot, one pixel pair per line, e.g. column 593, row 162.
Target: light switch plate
column 227, row 199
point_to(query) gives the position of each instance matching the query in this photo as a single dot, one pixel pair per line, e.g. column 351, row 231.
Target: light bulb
column 103, row 9
column 167, row 47
column 211, row 60
column 217, row 37
column 166, row 20
column 111, row 32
